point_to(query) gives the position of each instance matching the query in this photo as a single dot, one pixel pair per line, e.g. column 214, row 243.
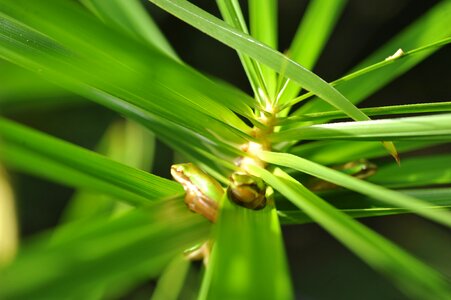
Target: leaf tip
column 397, row 159
column 390, row 146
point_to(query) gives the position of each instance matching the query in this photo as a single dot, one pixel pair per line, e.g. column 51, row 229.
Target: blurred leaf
column 248, row 259
column 138, row 148
column 369, row 189
column 193, row 280
column 132, row 18
column 433, row 26
column 128, row 248
column 39, row 154
column 125, row 142
column 171, row 281
column 432, row 127
column 9, row 235
column 311, row 36
column 410, row 275
column 416, row 171
column 86, row 205
column 22, row 89
column 172, row 99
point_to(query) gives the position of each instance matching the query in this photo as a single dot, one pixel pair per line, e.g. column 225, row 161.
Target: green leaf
column 433, row 26
column 299, row 217
column 417, row 171
column 124, row 75
column 125, row 142
column 171, row 281
column 410, row 275
column 124, row 250
column 369, row 189
column 129, row 143
column 248, row 259
column 263, row 25
column 311, row 36
column 372, row 111
column 263, row 21
column 433, row 127
column 379, row 65
column 437, row 198
column 231, row 13
column 262, row 53
column 314, row 30
column 132, row 18
column 22, row 89
column 39, row 154
column 346, row 199
column 328, row 152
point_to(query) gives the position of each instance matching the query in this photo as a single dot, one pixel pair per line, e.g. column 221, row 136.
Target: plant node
column 247, row 190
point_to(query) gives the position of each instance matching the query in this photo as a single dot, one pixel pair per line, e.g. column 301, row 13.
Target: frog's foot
column 201, row 252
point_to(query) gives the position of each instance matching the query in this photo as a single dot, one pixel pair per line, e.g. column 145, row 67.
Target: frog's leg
column 201, row 205
column 200, row 252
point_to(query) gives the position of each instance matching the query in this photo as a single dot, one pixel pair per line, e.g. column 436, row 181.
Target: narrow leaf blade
column 329, row 152
column 132, row 18
column 438, row 198
column 416, row 171
column 431, row 127
column 311, row 36
column 433, row 26
column 123, row 250
column 263, row 27
column 40, row 154
column 412, row 276
column 248, row 247
column 260, row 52
column 371, row 190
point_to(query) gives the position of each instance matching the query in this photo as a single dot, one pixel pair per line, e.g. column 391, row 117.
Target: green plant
column 114, row 55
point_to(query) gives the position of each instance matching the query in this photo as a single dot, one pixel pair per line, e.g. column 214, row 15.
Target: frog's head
column 181, row 171
column 196, row 181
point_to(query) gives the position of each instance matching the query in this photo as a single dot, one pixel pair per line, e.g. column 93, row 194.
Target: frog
column 360, row 169
column 202, row 192
column 202, row 196
column 247, row 191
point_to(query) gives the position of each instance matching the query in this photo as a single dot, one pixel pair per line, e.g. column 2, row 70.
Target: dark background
column 321, row 267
